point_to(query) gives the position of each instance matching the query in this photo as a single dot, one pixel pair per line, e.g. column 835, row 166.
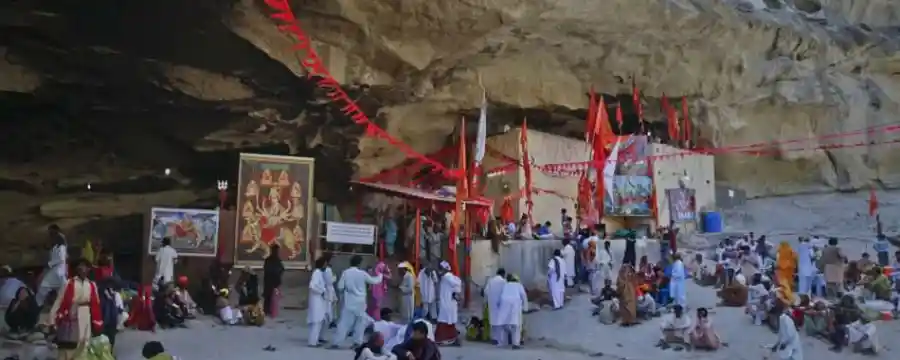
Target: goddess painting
column 274, row 208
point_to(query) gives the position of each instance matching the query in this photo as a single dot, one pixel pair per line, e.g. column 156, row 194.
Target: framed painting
column 193, row 232
column 275, row 207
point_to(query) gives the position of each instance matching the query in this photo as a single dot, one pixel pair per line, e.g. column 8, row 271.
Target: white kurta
column 353, row 285
column 57, row 273
column 555, row 281
column 789, row 338
column 492, row 291
column 330, row 293
column 513, row 301
column 407, row 295
column 165, row 264
column 318, row 305
column 679, row 327
column 568, row 254
column 449, row 307
column 427, row 287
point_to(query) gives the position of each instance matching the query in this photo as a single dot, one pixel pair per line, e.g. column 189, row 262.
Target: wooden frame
column 171, row 229
column 259, row 234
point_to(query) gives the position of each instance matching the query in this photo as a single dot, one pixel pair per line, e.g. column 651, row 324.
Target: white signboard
column 348, row 233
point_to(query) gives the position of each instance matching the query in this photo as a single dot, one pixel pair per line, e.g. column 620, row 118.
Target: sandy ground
column 572, row 333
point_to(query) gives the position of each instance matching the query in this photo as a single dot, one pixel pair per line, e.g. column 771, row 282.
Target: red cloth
column 797, row 314
column 68, row 300
column 445, row 333
column 103, row 272
column 141, row 316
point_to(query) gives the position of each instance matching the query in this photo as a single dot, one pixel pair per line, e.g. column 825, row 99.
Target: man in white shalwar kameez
column 677, row 283
column 330, row 293
column 568, row 255
column 428, row 281
column 448, row 315
column 556, row 272
column 318, row 304
column 604, row 265
column 513, row 302
column 57, row 270
column 353, row 285
column 166, row 257
column 806, row 270
column 675, row 327
column 492, row 291
column 788, row 346
column 862, row 337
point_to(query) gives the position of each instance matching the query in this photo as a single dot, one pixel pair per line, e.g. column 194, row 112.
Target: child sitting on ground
column 227, row 313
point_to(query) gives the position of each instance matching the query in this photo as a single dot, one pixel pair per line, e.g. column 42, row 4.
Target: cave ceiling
column 111, row 93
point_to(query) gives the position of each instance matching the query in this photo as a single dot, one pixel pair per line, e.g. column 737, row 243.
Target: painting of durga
column 275, row 202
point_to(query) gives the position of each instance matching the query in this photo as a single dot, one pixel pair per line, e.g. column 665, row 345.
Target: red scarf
column 68, row 300
column 141, row 315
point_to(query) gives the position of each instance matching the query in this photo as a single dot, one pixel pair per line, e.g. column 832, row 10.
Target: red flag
column 592, row 114
column 602, row 129
column 671, row 117
column 636, row 100
column 619, row 119
column 462, row 193
column 526, row 164
column 873, row 202
column 653, row 209
column 685, row 121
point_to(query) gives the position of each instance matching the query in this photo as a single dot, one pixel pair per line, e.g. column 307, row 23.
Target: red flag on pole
column 592, row 114
column 671, row 119
column 462, row 192
column 685, row 121
column 636, row 99
column 526, row 164
column 873, row 202
column 619, row 119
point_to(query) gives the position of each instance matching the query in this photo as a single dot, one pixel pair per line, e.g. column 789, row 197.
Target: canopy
column 441, row 197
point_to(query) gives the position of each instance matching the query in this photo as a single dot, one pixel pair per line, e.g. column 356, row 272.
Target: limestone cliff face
column 91, row 95
column 754, row 71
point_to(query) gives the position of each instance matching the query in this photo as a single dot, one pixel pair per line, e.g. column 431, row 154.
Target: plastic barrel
column 712, row 222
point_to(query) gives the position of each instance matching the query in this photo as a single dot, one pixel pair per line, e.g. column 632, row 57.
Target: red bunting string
column 288, row 24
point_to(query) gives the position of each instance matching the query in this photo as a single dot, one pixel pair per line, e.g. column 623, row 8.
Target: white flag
column 481, row 137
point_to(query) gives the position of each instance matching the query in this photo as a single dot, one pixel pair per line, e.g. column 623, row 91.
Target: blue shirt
column 881, row 245
column 543, row 230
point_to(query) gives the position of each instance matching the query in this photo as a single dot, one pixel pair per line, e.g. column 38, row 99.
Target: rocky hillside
column 110, row 93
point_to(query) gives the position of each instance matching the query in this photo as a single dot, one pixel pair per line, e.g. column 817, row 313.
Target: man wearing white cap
column 448, row 315
column 407, row 290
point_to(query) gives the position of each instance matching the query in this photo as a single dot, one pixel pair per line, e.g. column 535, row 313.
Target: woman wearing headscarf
column 273, row 269
column 140, row 314
column 625, row 287
column 785, row 266
column 556, row 275
column 76, row 313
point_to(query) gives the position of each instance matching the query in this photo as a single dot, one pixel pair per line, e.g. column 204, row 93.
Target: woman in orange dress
column 785, row 266
column 626, row 286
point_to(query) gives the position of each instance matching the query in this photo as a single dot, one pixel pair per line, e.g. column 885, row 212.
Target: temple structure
column 645, row 184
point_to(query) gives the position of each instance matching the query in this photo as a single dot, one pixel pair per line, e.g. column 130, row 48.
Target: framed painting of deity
column 275, row 206
column 193, row 232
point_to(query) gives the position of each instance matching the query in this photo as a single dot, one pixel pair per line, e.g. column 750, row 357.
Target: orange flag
column 462, row 193
column 602, row 128
column 685, row 121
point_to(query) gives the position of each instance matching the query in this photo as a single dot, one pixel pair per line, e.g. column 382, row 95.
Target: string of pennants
column 288, row 24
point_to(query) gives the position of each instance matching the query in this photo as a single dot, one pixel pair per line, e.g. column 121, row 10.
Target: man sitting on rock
column 607, row 304
column 646, row 307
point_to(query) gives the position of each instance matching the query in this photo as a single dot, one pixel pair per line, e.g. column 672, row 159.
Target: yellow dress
column 785, row 268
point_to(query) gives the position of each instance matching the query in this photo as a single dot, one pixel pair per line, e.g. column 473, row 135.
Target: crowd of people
column 811, row 287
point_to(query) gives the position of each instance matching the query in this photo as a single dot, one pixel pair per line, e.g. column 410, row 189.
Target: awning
column 418, row 194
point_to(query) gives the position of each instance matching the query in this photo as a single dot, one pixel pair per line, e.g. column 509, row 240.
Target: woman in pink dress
column 379, row 291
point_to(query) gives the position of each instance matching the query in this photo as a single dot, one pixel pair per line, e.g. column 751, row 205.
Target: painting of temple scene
column 275, row 207
column 193, row 232
column 631, row 196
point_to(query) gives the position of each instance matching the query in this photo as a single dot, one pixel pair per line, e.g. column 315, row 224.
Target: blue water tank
column 712, row 222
